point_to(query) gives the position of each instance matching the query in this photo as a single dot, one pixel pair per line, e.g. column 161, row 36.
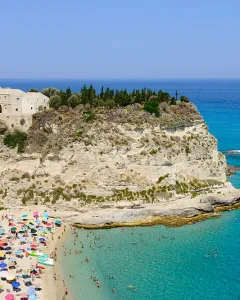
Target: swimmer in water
column 113, row 289
column 132, row 287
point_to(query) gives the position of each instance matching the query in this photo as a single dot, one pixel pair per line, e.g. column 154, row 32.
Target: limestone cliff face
column 82, row 156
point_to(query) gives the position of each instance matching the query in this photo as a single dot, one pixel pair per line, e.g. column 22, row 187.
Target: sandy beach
column 20, row 259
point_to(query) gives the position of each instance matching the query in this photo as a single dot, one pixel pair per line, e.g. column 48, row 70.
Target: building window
column 16, row 109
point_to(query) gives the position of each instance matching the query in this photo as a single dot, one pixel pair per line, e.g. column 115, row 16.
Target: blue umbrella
column 31, row 291
column 18, row 252
column 15, row 284
column 45, row 214
column 32, row 297
column 3, row 265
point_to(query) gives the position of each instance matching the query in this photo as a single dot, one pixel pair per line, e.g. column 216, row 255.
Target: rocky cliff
column 82, row 160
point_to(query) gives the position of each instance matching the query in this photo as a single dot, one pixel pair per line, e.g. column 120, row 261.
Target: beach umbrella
column 13, row 228
column 10, row 277
column 3, row 274
column 12, row 259
column 35, row 214
column 48, row 224
column 40, row 267
column 18, row 252
column 58, row 222
column 3, row 265
column 32, row 297
column 2, row 254
column 45, row 214
column 8, row 248
column 9, row 297
column 2, row 230
column 24, row 216
column 15, row 284
column 31, row 290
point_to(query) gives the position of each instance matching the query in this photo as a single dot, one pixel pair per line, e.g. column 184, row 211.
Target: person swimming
column 132, row 287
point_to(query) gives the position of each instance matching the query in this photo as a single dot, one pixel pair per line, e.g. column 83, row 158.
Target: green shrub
column 55, row 101
column 152, row 107
column 184, row 99
column 79, row 133
column 89, row 115
column 187, row 150
column 153, row 152
column 16, row 138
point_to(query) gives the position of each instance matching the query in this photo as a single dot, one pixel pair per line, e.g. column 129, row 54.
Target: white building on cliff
column 17, row 105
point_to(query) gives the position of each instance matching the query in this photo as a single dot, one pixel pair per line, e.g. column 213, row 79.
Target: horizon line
column 88, row 78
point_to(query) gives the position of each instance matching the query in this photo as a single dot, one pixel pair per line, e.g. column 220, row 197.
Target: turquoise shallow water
column 165, row 263
column 165, row 268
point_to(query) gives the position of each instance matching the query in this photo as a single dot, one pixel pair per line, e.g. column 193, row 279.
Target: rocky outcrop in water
column 78, row 159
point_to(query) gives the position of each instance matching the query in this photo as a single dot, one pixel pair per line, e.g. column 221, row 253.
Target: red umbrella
column 33, row 246
column 40, row 267
column 48, row 224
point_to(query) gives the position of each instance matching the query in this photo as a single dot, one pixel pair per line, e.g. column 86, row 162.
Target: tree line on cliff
column 110, row 98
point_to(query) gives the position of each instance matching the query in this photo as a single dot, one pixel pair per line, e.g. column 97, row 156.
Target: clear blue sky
column 120, row 39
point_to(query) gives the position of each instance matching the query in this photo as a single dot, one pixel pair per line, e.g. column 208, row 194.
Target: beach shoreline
column 54, row 289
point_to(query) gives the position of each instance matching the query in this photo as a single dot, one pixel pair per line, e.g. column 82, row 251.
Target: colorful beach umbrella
column 15, row 284
column 13, row 228
column 24, row 216
column 3, row 265
column 18, row 252
column 3, row 274
column 9, row 297
column 45, row 214
column 35, row 214
column 12, row 259
column 31, row 291
column 11, row 277
column 32, row 297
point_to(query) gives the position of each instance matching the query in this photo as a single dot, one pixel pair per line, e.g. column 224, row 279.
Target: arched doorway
column 0, row 108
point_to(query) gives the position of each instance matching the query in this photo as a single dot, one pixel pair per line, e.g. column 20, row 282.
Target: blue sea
column 200, row 261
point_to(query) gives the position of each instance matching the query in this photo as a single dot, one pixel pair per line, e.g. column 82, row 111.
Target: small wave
column 232, row 152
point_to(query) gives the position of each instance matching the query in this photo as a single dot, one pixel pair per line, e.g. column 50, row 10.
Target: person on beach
column 86, row 259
